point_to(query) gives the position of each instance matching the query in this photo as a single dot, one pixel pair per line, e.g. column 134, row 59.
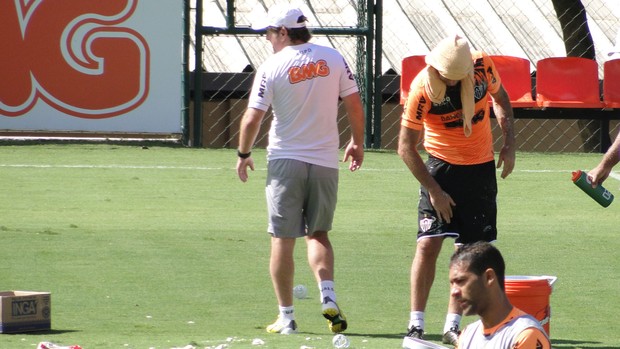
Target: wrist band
column 243, row 155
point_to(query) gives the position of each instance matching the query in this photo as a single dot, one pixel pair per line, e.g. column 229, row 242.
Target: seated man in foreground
column 477, row 285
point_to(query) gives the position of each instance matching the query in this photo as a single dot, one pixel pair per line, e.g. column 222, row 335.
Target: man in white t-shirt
column 302, row 82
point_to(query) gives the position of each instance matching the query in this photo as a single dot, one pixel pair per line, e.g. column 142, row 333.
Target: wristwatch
column 243, row 155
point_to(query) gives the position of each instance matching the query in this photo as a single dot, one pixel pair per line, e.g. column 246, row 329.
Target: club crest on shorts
column 426, row 223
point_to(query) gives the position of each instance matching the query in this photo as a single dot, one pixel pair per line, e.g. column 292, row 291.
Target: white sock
column 287, row 313
column 416, row 319
column 452, row 320
column 327, row 290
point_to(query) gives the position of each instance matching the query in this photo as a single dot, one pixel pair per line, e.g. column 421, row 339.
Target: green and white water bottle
column 599, row 194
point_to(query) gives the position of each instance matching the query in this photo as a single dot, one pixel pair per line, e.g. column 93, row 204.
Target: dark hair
column 479, row 257
column 299, row 34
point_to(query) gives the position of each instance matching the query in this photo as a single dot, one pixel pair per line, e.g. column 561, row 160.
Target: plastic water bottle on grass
column 340, row 341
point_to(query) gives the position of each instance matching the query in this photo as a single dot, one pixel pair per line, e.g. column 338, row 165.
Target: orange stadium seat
column 611, row 83
column 411, row 66
column 567, row 82
column 516, row 79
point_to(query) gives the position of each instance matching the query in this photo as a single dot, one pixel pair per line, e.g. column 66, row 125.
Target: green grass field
column 164, row 248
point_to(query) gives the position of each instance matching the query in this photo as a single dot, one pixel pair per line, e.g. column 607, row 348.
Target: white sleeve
column 261, row 94
column 348, row 85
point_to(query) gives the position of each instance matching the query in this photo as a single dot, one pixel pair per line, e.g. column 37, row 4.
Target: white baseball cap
column 282, row 16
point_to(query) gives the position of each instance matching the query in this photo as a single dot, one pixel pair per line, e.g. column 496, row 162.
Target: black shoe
column 415, row 332
column 451, row 337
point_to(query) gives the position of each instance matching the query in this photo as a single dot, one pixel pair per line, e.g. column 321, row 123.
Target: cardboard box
column 25, row 311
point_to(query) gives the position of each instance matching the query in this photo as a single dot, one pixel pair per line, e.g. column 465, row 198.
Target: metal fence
column 532, row 29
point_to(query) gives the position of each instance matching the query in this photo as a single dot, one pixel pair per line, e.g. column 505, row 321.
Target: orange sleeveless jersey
column 443, row 124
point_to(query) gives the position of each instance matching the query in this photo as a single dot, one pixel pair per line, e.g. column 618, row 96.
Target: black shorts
column 474, row 190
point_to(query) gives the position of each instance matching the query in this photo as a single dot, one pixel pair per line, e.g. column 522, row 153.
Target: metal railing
column 364, row 59
column 375, row 36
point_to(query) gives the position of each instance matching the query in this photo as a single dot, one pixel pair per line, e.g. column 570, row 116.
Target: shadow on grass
column 567, row 343
column 374, row 335
column 353, row 334
column 45, row 332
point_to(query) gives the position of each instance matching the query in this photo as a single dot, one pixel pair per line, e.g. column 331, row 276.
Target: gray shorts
column 301, row 198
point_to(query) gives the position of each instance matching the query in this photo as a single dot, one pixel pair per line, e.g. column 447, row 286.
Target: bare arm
column 441, row 201
column 505, row 119
column 250, row 125
column 600, row 173
column 355, row 114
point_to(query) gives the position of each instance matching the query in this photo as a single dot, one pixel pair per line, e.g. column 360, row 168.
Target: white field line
column 112, row 166
column 614, row 175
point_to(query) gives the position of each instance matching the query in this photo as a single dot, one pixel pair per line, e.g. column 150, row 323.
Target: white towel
column 452, row 59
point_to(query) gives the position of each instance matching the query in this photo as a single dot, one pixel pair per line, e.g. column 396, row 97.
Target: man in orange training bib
column 448, row 104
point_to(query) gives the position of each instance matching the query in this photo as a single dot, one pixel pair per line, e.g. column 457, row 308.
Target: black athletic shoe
column 451, row 337
column 415, row 332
